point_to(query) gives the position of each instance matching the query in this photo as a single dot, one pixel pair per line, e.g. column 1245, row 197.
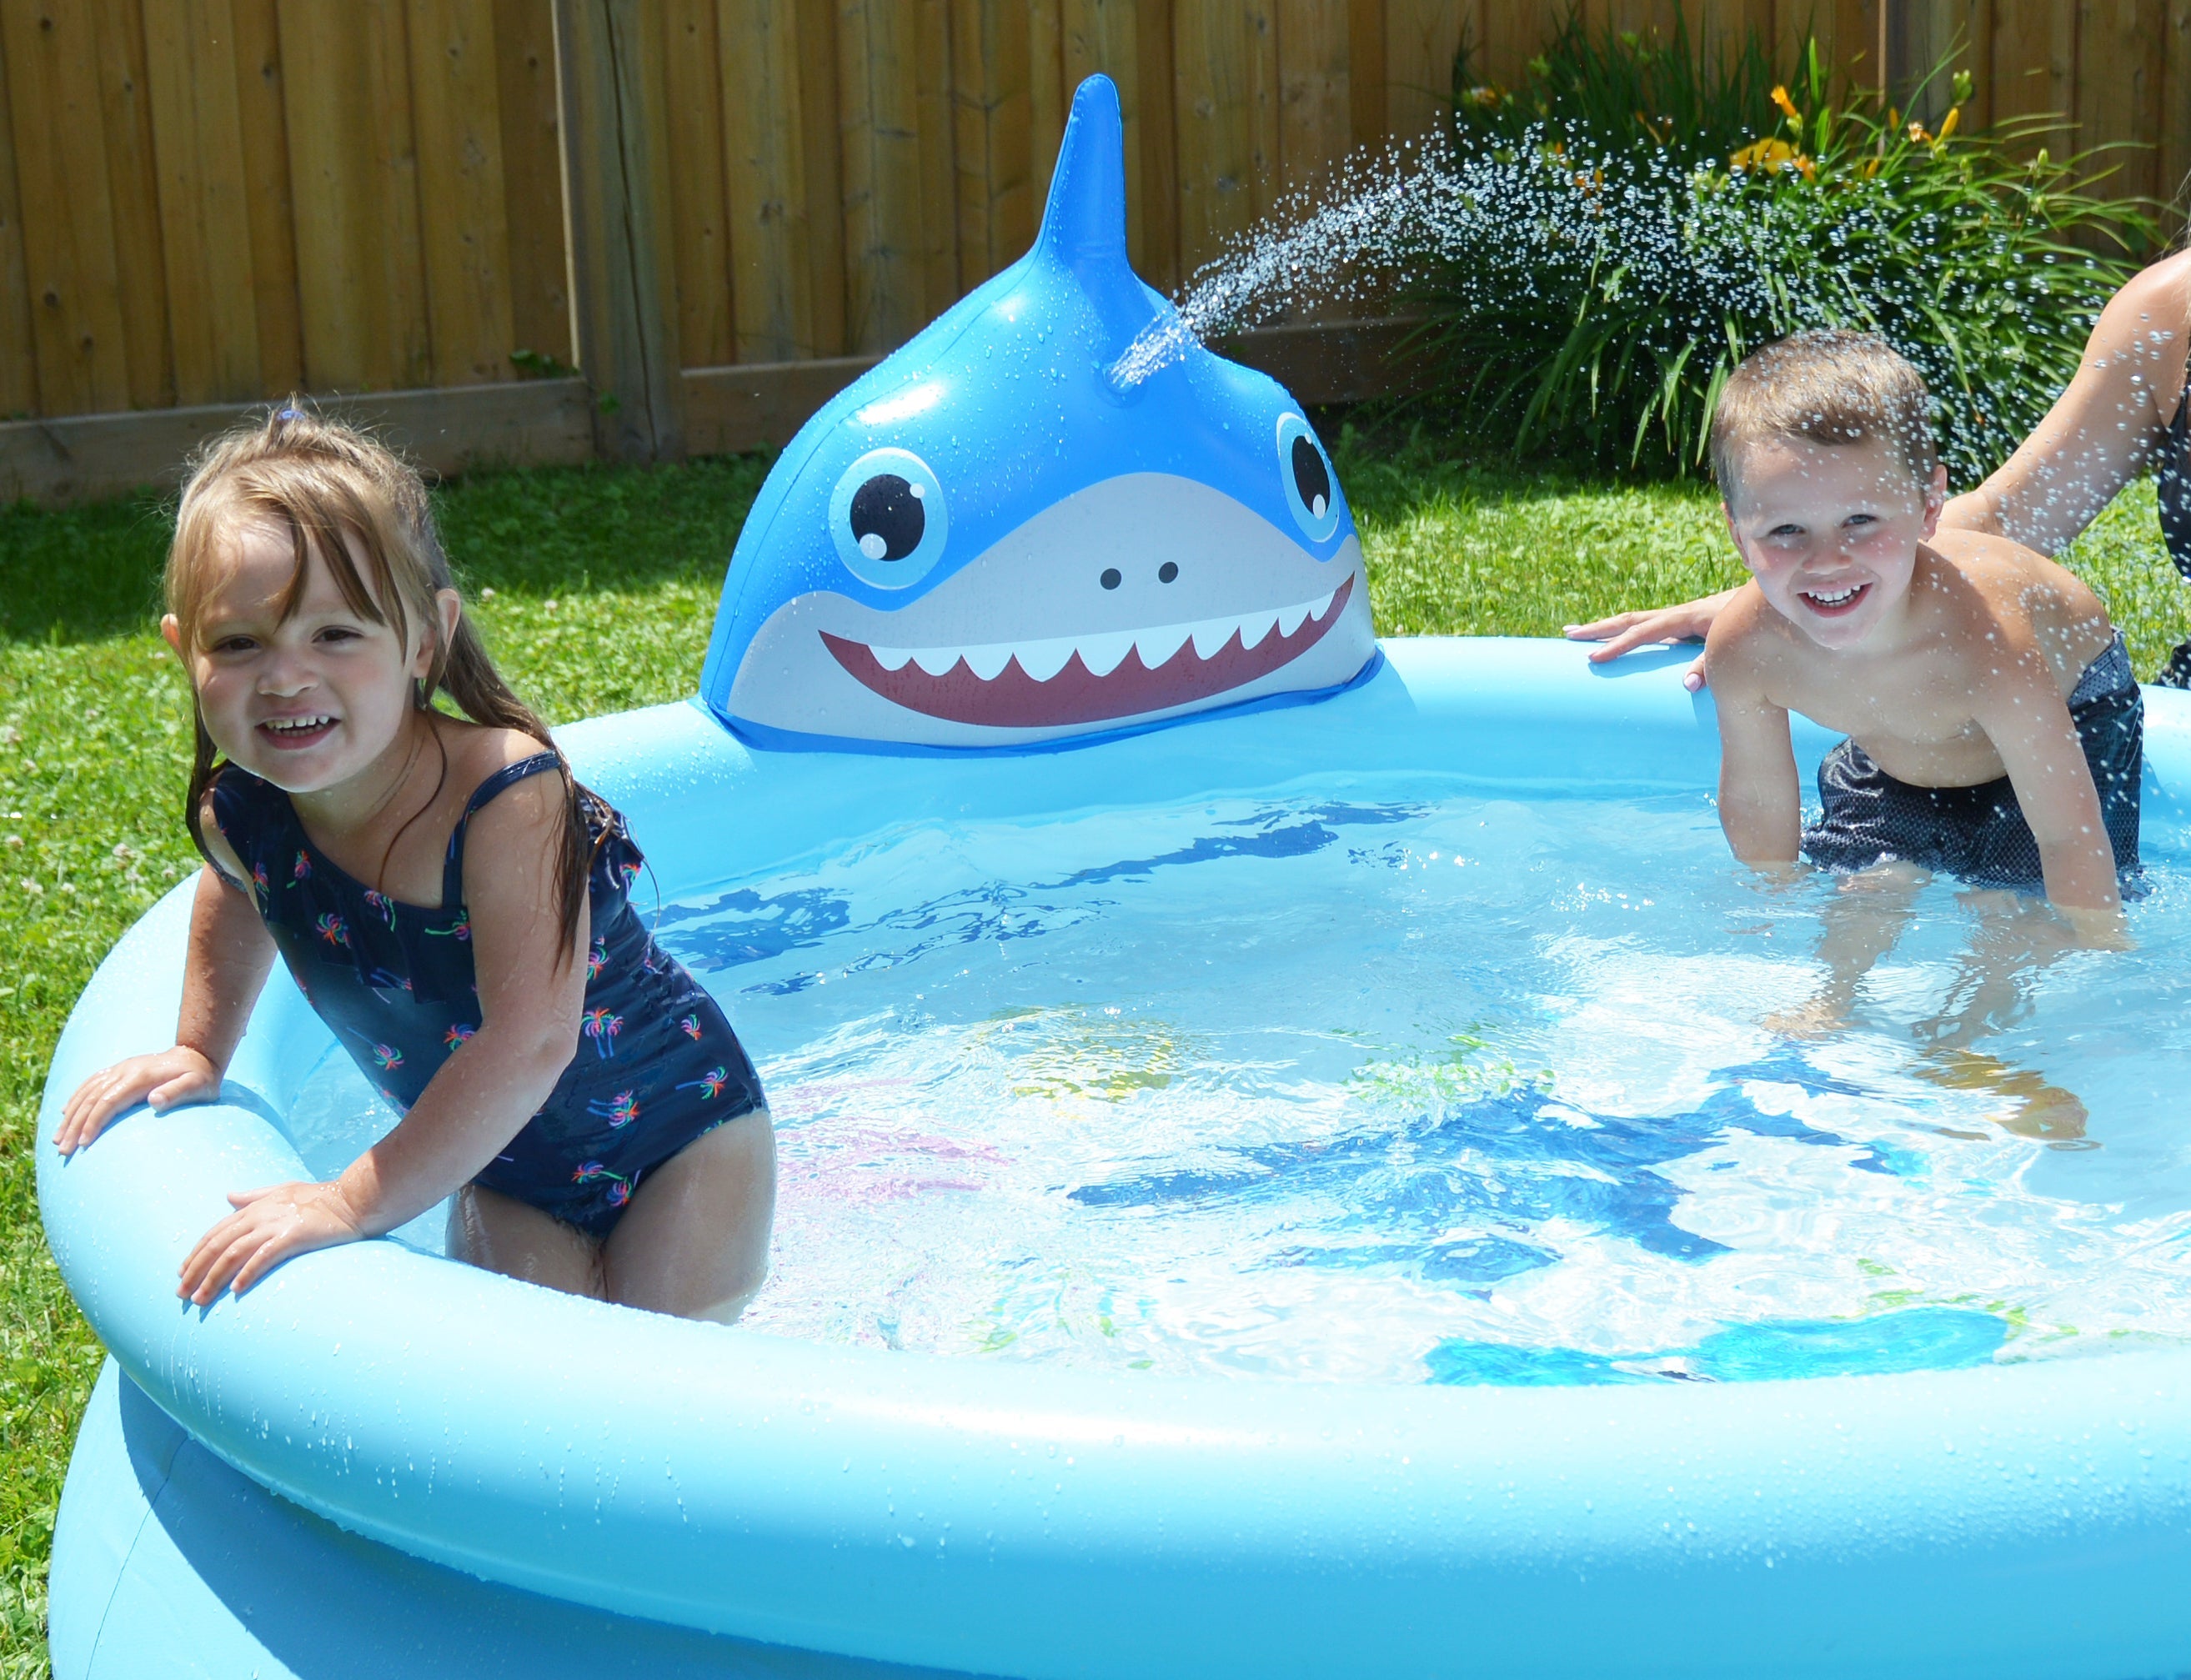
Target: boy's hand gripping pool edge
column 163, row 1079
column 269, row 1225
column 1626, row 632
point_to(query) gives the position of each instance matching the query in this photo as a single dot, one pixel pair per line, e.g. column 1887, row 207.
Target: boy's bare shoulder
column 1978, row 553
column 1746, row 639
column 2018, row 593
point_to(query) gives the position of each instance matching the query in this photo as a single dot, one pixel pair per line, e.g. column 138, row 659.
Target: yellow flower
column 1770, row 153
column 1948, row 125
column 1787, row 106
column 1917, row 133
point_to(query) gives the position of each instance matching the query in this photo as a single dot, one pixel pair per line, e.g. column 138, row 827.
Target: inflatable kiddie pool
column 378, row 1463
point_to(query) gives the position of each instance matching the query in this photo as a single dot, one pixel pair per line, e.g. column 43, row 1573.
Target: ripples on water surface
column 1403, row 1084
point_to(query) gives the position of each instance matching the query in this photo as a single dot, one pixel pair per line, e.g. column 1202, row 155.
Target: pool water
column 1401, row 1083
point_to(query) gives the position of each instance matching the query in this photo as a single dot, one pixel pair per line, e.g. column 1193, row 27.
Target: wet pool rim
column 1009, row 1519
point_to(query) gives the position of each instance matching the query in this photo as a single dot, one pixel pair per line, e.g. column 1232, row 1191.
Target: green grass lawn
column 594, row 588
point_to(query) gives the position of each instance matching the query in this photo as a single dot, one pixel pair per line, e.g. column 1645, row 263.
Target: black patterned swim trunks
column 1979, row 833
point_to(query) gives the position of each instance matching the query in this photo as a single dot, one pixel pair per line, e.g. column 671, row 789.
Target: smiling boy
column 1996, row 731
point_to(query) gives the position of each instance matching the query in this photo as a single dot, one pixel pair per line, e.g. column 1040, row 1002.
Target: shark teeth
column 1102, row 653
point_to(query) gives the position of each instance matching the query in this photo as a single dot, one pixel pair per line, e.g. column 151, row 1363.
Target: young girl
column 450, row 900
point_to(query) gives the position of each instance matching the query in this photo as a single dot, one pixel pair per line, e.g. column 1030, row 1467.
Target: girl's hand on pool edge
column 269, row 1225
column 163, row 1079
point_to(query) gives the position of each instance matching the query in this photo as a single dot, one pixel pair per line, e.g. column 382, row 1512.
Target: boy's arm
column 2023, row 713
column 1760, row 800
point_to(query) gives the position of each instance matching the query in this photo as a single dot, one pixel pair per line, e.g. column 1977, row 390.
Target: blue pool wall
column 849, row 1506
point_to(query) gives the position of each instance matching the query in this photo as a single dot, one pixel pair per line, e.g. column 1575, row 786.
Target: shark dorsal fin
column 1084, row 221
column 1084, row 224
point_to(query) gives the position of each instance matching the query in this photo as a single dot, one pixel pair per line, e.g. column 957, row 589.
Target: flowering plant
column 1624, row 227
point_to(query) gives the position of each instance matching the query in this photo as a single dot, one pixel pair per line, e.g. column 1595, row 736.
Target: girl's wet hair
column 1825, row 387
column 363, row 510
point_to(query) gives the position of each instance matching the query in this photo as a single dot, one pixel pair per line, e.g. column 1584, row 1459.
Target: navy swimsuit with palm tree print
column 656, row 1063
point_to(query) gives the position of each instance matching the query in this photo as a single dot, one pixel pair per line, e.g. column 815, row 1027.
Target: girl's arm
column 532, row 988
column 2102, row 430
column 230, row 954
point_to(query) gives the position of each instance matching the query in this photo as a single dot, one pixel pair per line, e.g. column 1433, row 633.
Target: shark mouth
column 1088, row 679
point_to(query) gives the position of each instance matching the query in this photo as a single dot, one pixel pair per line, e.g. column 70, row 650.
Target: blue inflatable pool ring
column 380, row 1463
column 995, row 539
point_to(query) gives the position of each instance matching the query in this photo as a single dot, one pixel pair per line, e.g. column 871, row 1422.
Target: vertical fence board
column 993, row 140
column 210, row 200
column 2119, row 86
column 1227, row 77
column 260, row 116
column 1365, row 67
column 462, row 222
column 533, row 178
column 2175, row 162
column 2034, row 60
column 820, row 85
column 1503, row 36
column 19, row 358
column 205, row 212
column 1927, row 35
column 608, row 63
column 1107, row 37
column 361, row 279
column 68, row 217
column 1116, row 38
column 888, row 167
column 1152, row 234
column 1048, row 94
column 1315, row 111
column 1733, row 25
column 1848, row 33
column 765, row 166
column 134, row 182
column 937, row 259
column 692, row 101
column 1420, row 38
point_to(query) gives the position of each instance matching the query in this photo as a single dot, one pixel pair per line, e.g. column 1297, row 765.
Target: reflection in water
column 2032, row 1108
column 2014, row 939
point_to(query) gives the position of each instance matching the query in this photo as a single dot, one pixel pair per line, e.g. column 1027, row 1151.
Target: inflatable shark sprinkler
column 992, row 540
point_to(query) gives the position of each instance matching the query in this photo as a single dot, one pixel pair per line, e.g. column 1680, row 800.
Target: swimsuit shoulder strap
column 2173, row 482
column 453, row 866
column 254, row 816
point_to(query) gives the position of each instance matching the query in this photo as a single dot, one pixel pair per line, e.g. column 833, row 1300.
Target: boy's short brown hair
column 1831, row 388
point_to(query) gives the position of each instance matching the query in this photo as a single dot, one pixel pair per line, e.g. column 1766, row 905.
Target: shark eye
column 886, row 517
column 1311, row 486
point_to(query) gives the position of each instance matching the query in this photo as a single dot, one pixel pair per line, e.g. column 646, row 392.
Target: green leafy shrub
column 1623, row 228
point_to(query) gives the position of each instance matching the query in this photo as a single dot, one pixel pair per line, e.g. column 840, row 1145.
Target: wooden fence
column 207, row 201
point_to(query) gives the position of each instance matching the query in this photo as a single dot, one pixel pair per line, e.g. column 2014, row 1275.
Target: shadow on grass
column 85, row 574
